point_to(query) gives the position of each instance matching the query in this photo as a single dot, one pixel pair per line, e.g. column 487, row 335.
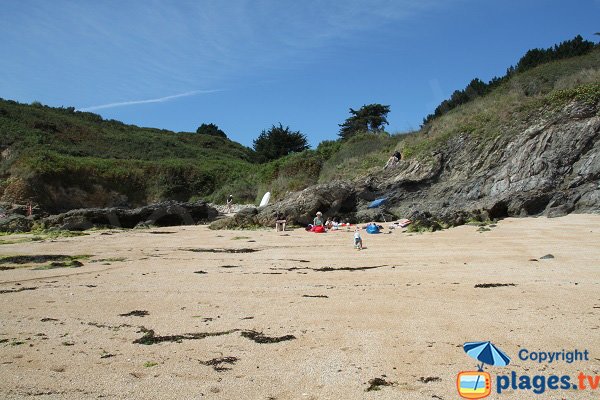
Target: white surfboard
column 265, row 199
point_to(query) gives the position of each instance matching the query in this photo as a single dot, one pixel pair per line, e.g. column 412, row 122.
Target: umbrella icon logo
column 478, row 384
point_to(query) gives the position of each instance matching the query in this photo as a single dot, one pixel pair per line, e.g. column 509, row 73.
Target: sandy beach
column 298, row 315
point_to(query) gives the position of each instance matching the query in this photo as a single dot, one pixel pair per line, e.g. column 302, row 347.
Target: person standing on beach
column 357, row 239
column 229, row 203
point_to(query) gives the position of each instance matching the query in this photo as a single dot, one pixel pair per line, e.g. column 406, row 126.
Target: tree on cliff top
column 278, row 142
column 210, row 129
column 369, row 118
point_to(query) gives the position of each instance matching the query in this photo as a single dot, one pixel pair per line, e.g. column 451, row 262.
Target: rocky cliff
column 549, row 166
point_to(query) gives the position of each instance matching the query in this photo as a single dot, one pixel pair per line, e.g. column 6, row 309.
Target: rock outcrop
column 167, row 213
column 15, row 223
column 551, row 167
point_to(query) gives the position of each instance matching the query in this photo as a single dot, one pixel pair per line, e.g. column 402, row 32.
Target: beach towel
column 318, row 229
column 404, row 223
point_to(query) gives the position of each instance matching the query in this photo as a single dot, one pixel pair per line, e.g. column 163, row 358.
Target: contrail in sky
column 158, row 100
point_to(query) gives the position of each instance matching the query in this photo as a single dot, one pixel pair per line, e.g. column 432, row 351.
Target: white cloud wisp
column 157, row 100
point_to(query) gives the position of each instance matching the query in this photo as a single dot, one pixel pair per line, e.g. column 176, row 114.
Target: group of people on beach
column 331, row 223
column 319, row 225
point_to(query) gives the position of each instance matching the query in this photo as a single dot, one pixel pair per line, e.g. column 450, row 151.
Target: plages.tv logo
column 478, row 384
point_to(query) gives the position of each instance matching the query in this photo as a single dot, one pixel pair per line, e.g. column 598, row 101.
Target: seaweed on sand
column 17, row 290
column 377, row 383
column 259, row 337
column 216, row 363
column 244, row 250
column 151, row 338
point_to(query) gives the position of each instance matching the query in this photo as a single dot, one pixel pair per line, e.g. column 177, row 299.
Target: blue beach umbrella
column 487, row 353
column 378, row 203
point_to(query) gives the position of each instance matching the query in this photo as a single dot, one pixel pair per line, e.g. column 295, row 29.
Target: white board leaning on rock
column 265, row 199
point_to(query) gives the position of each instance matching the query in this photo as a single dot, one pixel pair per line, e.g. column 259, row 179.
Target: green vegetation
column 63, row 147
column 45, row 150
column 278, row 142
column 53, row 261
column 369, row 118
column 426, row 226
column 513, row 104
column 533, row 58
column 150, row 364
column 211, row 130
column 37, row 235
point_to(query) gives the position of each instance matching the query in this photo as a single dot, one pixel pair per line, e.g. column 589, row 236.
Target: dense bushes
column 476, row 88
column 64, row 147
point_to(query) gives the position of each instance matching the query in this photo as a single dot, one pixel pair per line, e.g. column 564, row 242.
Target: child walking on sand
column 357, row 239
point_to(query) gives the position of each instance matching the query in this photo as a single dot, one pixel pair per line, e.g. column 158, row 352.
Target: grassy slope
column 513, row 106
column 507, row 110
column 62, row 145
column 151, row 164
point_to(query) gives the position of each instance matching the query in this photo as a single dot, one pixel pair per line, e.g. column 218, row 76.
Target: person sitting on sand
column 318, row 221
column 335, row 223
column 357, row 239
column 329, row 223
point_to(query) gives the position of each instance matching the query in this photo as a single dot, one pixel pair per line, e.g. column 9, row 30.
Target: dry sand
column 404, row 321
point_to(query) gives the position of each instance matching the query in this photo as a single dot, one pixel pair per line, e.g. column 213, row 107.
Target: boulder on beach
column 168, row 213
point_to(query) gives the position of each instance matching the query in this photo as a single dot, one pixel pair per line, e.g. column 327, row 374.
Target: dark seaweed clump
column 493, row 285
column 151, row 338
column 36, row 259
column 259, row 337
column 223, row 250
column 17, row 290
column 135, row 313
column 377, row 383
column 217, row 363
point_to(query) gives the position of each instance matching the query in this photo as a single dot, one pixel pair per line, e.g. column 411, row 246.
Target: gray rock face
column 15, row 223
column 335, row 198
column 167, row 213
column 244, row 219
column 550, row 168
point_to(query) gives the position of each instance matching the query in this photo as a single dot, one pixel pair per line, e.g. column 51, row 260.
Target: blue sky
column 246, row 65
